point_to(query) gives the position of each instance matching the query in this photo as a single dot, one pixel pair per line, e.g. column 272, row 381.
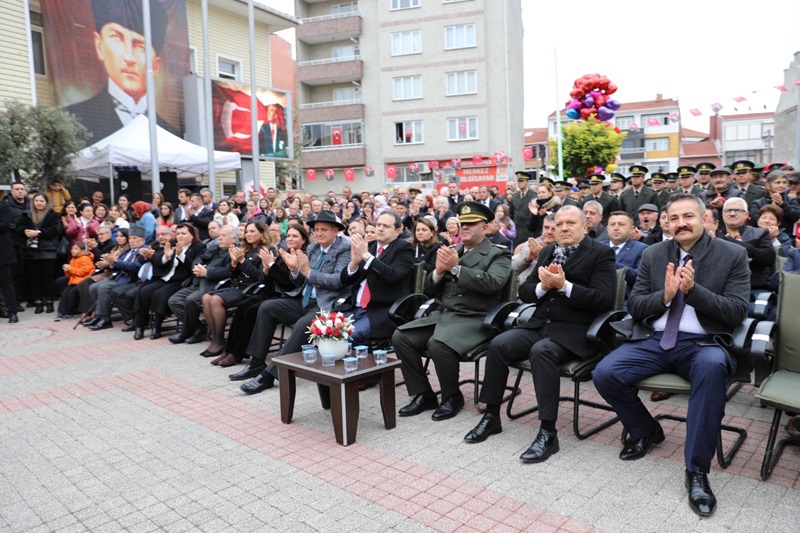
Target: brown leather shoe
column 229, row 360
column 793, row 427
column 219, row 358
column 658, row 396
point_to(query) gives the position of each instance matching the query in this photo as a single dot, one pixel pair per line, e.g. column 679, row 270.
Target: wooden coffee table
column 338, row 390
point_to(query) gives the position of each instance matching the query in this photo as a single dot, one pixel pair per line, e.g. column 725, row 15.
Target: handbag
column 63, row 246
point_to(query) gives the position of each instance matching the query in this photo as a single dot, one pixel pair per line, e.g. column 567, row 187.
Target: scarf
column 562, row 253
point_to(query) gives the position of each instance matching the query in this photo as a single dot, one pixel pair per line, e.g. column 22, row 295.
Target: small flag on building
column 329, row 173
column 653, row 122
column 349, row 174
column 391, row 172
column 311, row 174
column 527, row 152
column 369, row 171
column 695, row 112
column 782, row 88
column 477, row 159
column 739, row 99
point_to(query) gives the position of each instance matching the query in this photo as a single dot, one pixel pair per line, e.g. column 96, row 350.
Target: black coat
column 200, row 221
column 183, row 269
column 7, row 217
column 51, row 232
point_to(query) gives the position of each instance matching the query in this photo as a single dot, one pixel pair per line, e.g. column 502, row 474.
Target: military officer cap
column 136, row 231
column 523, row 175
column 721, row 170
column 546, row 180
column 648, row 181
column 743, row 166
column 672, row 176
column 758, row 170
column 658, row 176
column 562, row 185
column 596, row 178
column 471, row 212
column 640, row 170
column 583, row 184
column 616, row 176
column 687, row 170
column 705, row 168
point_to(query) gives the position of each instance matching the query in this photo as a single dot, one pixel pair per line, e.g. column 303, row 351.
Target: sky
column 696, row 51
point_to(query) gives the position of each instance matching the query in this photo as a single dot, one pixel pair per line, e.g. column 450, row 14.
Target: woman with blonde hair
column 43, row 233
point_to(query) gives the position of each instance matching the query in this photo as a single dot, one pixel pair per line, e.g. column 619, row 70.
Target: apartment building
column 409, row 92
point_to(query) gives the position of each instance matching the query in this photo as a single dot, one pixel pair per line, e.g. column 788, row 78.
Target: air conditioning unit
column 423, row 168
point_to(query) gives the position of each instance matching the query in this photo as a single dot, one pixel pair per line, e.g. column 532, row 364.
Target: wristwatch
column 456, row 270
column 365, row 256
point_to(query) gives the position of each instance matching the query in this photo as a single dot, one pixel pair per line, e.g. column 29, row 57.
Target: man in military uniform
column 583, row 189
column 609, row 203
column 519, row 206
column 466, row 283
column 563, row 190
column 721, row 191
column 743, row 174
column 658, row 184
column 686, row 181
column 617, row 185
column 672, row 182
column 704, row 175
column 631, row 199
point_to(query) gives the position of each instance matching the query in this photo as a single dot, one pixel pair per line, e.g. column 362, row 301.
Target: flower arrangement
column 330, row 326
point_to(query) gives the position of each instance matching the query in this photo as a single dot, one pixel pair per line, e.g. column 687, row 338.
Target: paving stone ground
column 99, row 432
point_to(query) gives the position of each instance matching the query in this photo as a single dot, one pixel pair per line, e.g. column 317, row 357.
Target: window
column 653, row 145
column 229, row 69
column 345, row 93
column 657, row 166
column 452, row 1
column 465, row 82
column 624, row 122
column 341, row 52
column 350, row 7
column 404, row 4
column 407, row 88
column 461, row 36
column 462, row 128
column 748, row 155
column 408, row 132
column 742, row 132
column 405, row 176
column 407, row 42
column 332, row 134
column 193, row 60
column 37, row 42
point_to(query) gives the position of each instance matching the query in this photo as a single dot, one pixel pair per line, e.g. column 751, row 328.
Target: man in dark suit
column 454, row 197
column 8, row 258
column 520, row 213
column 594, row 214
column 466, row 281
column 637, row 195
column 721, row 189
column 743, row 174
column 628, row 252
column 596, row 193
column 318, row 285
column 485, row 198
column 572, row 283
column 690, row 294
column 184, row 196
column 755, row 240
column 199, row 214
column 272, row 138
column 119, row 46
column 379, row 274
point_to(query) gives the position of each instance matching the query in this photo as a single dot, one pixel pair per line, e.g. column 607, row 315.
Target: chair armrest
column 496, row 318
column 427, row 307
column 254, row 289
column 742, row 335
column 761, row 299
column 403, row 310
column 222, row 284
column 762, row 337
column 520, row 315
column 600, row 332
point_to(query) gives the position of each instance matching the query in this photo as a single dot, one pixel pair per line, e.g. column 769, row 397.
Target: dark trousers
column 124, row 296
column 410, row 344
column 187, row 304
column 69, row 297
column 85, row 300
column 153, row 296
column 362, row 335
column 7, row 287
column 42, row 284
column 242, row 325
column 706, row 367
column 545, row 357
column 21, row 286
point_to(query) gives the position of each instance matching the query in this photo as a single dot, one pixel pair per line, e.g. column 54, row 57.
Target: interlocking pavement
column 99, row 432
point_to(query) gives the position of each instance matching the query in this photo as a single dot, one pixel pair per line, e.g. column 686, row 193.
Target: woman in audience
column 166, row 215
column 777, row 193
column 282, row 219
column 546, row 203
column 225, row 215
column 371, row 232
column 245, row 270
column 158, row 201
column 102, row 272
column 100, row 213
column 80, row 267
column 770, row 219
column 43, row 233
column 507, row 226
column 124, row 203
column 426, row 242
column 450, row 234
column 368, row 211
column 442, row 212
column 82, row 227
column 278, row 275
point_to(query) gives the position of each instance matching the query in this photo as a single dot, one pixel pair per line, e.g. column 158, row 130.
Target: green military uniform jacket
column 663, row 197
column 631, row 203
column 609, row 203
column 521, row 214
column 465, row 301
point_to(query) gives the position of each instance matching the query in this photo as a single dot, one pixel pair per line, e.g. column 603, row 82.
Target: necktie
column 309, row 288
column 670, row 335
column 636, row 194
column 366, row 295
column 616, row 249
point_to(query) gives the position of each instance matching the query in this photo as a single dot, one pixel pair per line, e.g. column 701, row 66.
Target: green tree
column 586, row 144
column 38, row 143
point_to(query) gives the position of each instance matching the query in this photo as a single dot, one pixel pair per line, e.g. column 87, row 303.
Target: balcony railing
column 332, row 147
column 332, row 17
column 328, row 61
column 318, row 105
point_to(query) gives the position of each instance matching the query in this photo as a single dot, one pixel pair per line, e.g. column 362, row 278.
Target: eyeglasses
column 734, row 211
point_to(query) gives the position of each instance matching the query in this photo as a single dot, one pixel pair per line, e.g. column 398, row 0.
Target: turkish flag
column 336, row 135
column 369, row 171
column 739, row 99
column 462, row 128
column 477, row 159
column 391, row 172
column 311, row 174
column 434, row 165
column 498, row 157
column 527, row 152
column 716, row 106
column 349, row 175
column 782, row 88
column 456, row 162
column 797, row 81
column 633, row 127
column 413, row 168
column 653, row 122
column 329, row 173
column 695, row 112
column 673, row 117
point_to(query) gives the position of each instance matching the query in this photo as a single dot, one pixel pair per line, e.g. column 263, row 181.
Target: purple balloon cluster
column 591, row 95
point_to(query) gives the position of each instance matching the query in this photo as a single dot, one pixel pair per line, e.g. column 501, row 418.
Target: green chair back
column 787, row 346
column 619, row 295
column 510, row 289
column 418, row 277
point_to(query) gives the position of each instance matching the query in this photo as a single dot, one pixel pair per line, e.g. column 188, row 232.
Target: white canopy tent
column 130, row 146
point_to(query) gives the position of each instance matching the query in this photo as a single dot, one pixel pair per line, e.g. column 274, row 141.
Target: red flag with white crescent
column 311, row 174
column 349, row 174
column 391, row 171
column 527, row 152
column 336, row 135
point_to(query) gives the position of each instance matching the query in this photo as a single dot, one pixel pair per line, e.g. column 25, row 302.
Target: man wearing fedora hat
column 317, row 280
column 466, row 282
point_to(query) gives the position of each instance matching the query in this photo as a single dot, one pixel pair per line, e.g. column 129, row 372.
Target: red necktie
column 365, row 294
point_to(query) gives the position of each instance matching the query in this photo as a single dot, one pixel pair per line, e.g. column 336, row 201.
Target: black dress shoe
column 201, row 335
column 101, row 324
column 418, row 404
column 449, row 408
column 544, row 445
column 91, row 322
column 488, row 426
column 155, row 333
column 177, row 338
column 12, row 317
column 138, row 334
column 49, row 308
column 129, row 328
column 39, row 308
column 260, row 383
column 636, row 449
column 209, row 353
column 701, row 499
column 249, row 371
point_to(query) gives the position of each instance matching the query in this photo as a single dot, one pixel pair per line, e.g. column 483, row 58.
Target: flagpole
column 253, row 105
column 558, row 118
column 212, row 180
column 151, row 99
